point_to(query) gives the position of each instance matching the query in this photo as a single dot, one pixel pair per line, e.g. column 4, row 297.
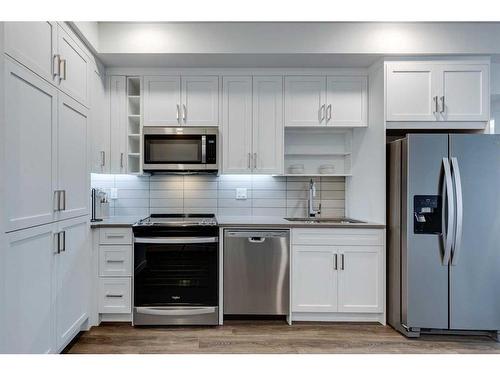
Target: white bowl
column 327, row 169
column 296, row 168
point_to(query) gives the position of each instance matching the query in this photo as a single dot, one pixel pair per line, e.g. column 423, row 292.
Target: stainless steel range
column 176, row 270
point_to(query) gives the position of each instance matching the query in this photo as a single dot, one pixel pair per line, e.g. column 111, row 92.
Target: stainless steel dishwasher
column 256, row 272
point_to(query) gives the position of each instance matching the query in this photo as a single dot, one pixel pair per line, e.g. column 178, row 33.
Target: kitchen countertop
column 238, row 221
column 265, row 221
column 116, row 221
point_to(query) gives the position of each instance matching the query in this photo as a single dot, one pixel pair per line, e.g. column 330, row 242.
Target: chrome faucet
column 310, row 202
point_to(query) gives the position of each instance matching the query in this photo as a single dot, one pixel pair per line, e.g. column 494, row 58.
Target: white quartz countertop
column 116, row 221
column 234, row 221
column 238, row 221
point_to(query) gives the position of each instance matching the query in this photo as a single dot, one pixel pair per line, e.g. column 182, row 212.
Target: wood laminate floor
column 271, row 337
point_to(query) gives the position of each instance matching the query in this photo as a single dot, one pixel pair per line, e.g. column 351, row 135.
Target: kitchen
column 155, row 194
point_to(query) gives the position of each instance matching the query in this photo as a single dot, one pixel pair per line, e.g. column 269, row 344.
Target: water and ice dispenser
column 427, row 214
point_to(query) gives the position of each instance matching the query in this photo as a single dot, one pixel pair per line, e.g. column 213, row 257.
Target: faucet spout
column 310, row 202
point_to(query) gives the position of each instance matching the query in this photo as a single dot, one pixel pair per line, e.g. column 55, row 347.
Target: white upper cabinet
column 252, row 125
column 118, row 123
column 31, row 131
column 50, row 51
column 72, row 167
column 72, row 272
column 267, row 124
column 73, row 68
column 411, row 92
column 347, row 101
column 237, row 125
column 28, row 300
column 465, row 94
column 100, row 124
column 200, row 100
column 360, row 283
column 162, row 101
column 305, row 100
column 333, row 101
column 433, row 91
column 34, row 44
column 181, row 101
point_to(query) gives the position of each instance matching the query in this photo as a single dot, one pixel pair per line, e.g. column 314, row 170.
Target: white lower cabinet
column 114, row 274
column 46, row 286
column 114, row 295
column 331, row 280
column 314, row 279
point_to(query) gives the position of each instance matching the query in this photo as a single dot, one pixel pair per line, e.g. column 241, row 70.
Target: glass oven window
column 175, row 274
column 178, row 149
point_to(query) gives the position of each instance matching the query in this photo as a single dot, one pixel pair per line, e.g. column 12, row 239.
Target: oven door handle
column 176, row 240
column 178, row 312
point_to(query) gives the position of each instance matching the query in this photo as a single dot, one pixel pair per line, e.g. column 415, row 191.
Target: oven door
column 176, row 280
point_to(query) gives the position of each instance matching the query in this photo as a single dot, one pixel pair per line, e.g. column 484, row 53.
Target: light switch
column 241, row 193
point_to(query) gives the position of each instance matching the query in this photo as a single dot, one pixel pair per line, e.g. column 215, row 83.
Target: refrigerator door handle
column 460, row 211
column 448, row 197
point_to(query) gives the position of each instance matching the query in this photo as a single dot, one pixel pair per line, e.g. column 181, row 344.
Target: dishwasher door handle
column 256, row 239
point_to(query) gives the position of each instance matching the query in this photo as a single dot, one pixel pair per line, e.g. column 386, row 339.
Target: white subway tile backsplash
column 266, row 195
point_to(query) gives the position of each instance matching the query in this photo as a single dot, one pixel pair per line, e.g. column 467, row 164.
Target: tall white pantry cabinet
column 46, row 258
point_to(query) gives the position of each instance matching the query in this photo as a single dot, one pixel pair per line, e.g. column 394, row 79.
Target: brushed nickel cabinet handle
column 56, row 68
column 335, row 264
column 114, row 295
column 63, row 194
column 328, row 112
column 321, row 113
column 103, row 158
column 184, row 113
column 62, row 64
column 248, row 161
column 342, row 262
column 177, row 113
column 121, row 160
column 57, row 200
column 57, row 241
column 442, row 105
column 436, row 109
column 254, row 160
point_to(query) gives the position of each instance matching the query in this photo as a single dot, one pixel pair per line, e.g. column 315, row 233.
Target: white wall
column 288, row 37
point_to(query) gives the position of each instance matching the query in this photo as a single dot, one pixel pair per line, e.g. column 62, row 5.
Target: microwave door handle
column 204, row 149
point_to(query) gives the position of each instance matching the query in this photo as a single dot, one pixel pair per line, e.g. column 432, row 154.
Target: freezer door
column 424, row 281
column 475, row 269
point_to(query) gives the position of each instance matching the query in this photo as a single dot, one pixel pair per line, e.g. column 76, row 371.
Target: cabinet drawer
column 115, row 236
column 114, row 295
column 115, row 260
column 329, row 236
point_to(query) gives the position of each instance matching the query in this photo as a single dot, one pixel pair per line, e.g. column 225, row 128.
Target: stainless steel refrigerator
column 444, row 234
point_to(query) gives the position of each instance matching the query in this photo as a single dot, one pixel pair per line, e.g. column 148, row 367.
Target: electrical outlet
column 241, row 193
column 113, row 192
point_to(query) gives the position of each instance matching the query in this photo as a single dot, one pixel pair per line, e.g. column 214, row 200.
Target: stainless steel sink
column 315, row 220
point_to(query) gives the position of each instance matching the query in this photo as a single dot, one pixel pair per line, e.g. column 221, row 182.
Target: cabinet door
column 118, row 124
column 162, row 100
column 74, row 75
column 30, row 127
column 28, row 299
column 347, row 103
column 34, row 45
column 465, row 93
column 72, row 168
column 100, row 124
column 72, row 279
column 314, row 279
column 200, row 101
column 237, row 125
column 411, row 92
column 361, row 279
column 305, row 100
column 268, row 124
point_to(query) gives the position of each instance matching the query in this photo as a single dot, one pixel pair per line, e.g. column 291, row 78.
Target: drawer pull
column 115, row 235
column 114, row 261
column 114, row 295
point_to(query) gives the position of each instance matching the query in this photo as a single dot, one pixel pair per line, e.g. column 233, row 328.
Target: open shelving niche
column 316, row 147
column 134, row 126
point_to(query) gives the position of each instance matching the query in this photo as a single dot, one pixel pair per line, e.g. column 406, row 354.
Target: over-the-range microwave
column 169, row 149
